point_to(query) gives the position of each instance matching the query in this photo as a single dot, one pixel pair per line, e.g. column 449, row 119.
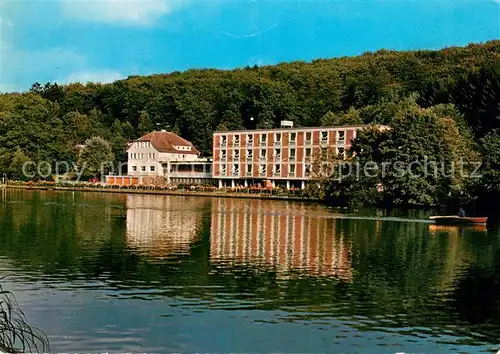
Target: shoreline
column 163, row 192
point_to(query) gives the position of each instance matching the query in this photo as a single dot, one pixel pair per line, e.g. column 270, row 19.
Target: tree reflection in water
column 394, row 276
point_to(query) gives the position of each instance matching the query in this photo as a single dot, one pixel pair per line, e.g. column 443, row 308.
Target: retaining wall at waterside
column 216, row 194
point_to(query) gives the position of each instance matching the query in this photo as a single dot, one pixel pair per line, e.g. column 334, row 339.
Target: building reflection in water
column 163, row 226
column 290, row 237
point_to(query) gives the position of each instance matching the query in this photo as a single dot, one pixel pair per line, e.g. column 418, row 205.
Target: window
column 292, row 154
column 324, row 137
column 249, row 154
column 277, row 138
column 262, row 169
column 223, row 169
column 236, row 140
column 250, row 139
column 236, row 169
column 277, row 154
column 152, row 168
column 341, row 152
column 263, row 139
column 341, row 136
column 223, row 140
column 236, row 155
column 293, row 138
column 143, row 168
column 308, row 137
column 262, row 154
column 277, row 169
column 249, row 170
column 307, row 169
column 223, row 154
column 134, row 168
column 308, row 154
column 291, row 170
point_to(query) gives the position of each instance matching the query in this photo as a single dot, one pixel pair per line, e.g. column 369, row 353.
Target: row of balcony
column 323, row 142
column 264, row 158
column 263, row 171
column 261, row 174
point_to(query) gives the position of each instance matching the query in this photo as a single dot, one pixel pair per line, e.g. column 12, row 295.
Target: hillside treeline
column 47, row 122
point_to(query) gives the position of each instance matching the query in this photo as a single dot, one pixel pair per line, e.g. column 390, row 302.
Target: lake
column 102, row 272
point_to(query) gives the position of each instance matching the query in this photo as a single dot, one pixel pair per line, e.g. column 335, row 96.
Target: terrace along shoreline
column 222, row 194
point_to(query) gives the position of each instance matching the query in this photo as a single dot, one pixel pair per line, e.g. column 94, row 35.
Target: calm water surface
column 128, row 273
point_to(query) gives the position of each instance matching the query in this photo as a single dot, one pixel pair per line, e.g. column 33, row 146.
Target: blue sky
column 101, row 41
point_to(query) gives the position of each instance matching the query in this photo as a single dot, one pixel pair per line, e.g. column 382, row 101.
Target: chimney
column 286, row 124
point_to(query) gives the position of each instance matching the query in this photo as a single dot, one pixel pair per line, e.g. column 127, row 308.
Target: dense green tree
column 222, row 128
column 478, row 97
column 144, row 125
column 97, row 157
column 356, row 180
column 128, row 130
column 116, row 128
column 351, row 117
column 19, row 165
column 51, row 92
column 421, row 160
column 490, row 146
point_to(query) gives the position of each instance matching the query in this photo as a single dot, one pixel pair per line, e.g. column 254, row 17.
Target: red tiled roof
column 165, row 142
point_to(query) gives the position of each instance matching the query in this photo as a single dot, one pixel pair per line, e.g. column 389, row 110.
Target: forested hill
column 48, row 121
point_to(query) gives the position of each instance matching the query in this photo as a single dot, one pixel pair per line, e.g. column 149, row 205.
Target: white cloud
column 103, row 76
column 138, row 12
column 20, row 68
